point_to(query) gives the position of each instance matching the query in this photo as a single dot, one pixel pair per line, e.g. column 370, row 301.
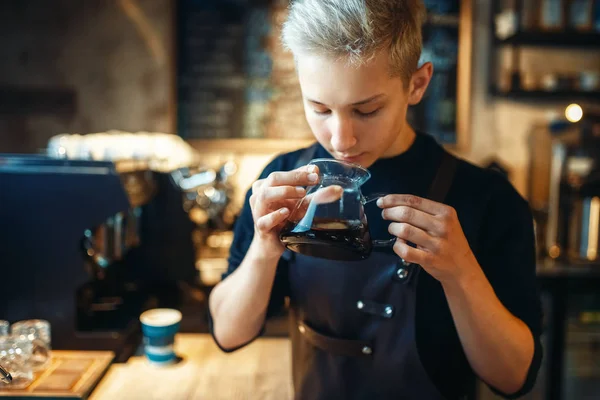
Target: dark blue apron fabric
column 353, row 323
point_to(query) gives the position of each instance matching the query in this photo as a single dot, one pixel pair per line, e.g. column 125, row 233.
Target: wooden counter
column 261, row 370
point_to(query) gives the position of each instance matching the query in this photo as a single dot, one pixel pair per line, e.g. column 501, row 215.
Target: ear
column 419, row 82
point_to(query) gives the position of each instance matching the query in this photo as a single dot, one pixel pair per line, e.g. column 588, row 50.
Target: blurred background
column 130, row 131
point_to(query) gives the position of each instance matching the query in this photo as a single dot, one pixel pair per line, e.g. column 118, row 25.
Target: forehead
column 336, row 81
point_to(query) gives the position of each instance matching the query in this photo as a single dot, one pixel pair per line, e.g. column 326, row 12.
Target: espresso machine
column 88, row 245
column 564, row 187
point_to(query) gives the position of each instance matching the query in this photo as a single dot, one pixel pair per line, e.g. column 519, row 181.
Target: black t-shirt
column 496, row 221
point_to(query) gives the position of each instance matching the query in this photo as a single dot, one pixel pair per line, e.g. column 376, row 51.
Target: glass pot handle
column 386, row 242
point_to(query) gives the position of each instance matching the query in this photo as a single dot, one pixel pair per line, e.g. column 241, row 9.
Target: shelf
column 541, row 95
column 552, row 39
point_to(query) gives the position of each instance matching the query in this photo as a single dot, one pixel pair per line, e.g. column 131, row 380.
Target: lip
column 352, row 159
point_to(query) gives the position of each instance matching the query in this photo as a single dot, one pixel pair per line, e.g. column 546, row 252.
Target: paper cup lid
column 160, row 317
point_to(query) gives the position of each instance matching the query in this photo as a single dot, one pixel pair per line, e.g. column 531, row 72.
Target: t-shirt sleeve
column 509, row 261
column 243, row 233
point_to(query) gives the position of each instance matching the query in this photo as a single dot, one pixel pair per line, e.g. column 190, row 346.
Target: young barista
column 422, row 321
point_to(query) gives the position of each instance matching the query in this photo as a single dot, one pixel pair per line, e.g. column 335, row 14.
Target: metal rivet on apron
column 301, row 328
column 406, row 264
column 367, row 350
column 402, row 273
column 373, row 308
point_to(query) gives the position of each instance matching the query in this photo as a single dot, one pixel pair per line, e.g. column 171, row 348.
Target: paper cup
column 159, row 327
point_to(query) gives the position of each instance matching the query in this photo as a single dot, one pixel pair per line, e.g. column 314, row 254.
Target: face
column 359, row 113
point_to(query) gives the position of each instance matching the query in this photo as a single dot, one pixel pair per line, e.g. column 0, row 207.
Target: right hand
column 272, row 201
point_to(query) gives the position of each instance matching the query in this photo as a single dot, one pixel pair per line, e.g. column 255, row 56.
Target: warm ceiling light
column 574, row 112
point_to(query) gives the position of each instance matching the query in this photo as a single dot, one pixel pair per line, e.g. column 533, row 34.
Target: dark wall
column 80, row 66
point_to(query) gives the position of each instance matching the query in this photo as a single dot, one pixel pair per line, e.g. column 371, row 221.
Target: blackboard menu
column 236, row 81
column 234, row 78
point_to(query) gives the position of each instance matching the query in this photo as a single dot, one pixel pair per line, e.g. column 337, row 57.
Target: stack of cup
column 37, row 331
column 24, row 350
column 15, row 356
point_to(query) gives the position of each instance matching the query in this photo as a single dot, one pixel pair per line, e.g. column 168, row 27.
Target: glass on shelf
column 37, row 331
column 15, row 356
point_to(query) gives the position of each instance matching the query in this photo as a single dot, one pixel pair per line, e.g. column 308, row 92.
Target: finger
column 412, row 234
column 271, row 220
column 412, row 255
column 257, row 185
column 414, row 217
column 327, row 195
column 277, row 193
column 416, row 202
column 303, row 176
column 272, row 198
column 291, row 204
column 299, row 208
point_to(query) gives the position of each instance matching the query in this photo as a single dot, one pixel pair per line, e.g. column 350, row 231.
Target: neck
column 404, row 140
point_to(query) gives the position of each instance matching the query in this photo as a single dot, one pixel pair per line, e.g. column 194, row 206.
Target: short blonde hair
column 357, row 30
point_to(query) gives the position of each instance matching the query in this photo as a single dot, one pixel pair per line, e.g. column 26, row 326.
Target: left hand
column 441, row 246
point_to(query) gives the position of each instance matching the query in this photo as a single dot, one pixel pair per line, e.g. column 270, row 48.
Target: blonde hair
column 358, row 30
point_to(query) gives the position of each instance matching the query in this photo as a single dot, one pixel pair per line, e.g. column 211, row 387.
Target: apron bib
column 353, row 323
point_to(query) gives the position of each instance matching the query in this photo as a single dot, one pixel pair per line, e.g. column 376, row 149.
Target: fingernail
column 284, row 211
column 313, row 177
column 312, row 168
column 300, row 191
column 379, row 202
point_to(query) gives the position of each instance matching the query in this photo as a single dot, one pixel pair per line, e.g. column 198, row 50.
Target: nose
column 342, row 134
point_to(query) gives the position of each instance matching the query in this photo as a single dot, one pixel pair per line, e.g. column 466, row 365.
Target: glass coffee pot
column 330, row 221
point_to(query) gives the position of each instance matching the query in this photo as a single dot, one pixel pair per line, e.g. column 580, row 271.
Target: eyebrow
column 358, row 103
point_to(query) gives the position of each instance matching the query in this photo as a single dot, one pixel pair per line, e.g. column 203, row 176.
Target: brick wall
column 114, row 57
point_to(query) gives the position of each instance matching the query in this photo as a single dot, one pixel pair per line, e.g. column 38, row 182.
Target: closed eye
column 326, row 112
column 368, row 114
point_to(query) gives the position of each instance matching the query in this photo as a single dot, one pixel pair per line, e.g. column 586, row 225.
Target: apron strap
column 439, row 189
column 443, row 180
column 307, row 155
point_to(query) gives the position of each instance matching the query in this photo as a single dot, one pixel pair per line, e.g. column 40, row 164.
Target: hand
column 272, row 200
column 441, row 246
